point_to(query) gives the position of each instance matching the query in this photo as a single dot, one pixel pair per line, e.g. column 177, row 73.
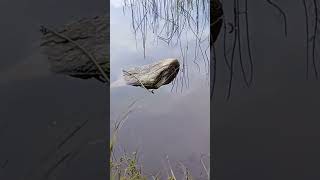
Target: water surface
column 170, row 122
column 39, row 109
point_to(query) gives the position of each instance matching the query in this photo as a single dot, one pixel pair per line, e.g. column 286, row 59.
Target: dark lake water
column 39, row 109
column 269, row 131
column 173, row 123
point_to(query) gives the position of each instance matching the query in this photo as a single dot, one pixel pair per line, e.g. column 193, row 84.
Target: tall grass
column 126, row 166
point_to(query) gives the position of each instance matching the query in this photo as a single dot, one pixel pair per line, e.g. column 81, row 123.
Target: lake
column 270, row 130
column 175, row 120
column 38, row 108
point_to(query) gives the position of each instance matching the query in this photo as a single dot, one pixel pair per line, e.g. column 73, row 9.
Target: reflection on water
column 39, row 109
column 175, row 120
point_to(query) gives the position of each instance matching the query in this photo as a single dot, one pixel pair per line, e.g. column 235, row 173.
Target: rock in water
column 152, row 76
column 65, row 57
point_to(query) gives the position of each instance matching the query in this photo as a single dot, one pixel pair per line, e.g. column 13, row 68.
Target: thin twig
column 170, row 167
column 61, row 160
column 138, row 81
column 314, row 38
column 282, row 13
column 204, row 166
column 237, row 24
column 248, row 42
column 233, row 51
column 65, row 140
column 307, row 34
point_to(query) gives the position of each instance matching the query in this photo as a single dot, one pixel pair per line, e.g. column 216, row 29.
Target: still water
column 175, row 120
column 38, row 108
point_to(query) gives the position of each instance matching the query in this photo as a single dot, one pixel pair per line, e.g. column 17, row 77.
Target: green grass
column 126, row 166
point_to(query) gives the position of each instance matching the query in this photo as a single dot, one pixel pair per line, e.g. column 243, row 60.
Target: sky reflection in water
column 169, row 122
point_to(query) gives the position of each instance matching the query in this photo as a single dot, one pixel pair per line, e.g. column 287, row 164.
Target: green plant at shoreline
column 126, row 167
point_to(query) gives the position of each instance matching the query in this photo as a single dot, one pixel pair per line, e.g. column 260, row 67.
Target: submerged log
column 152, row 76
column 79, row 49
